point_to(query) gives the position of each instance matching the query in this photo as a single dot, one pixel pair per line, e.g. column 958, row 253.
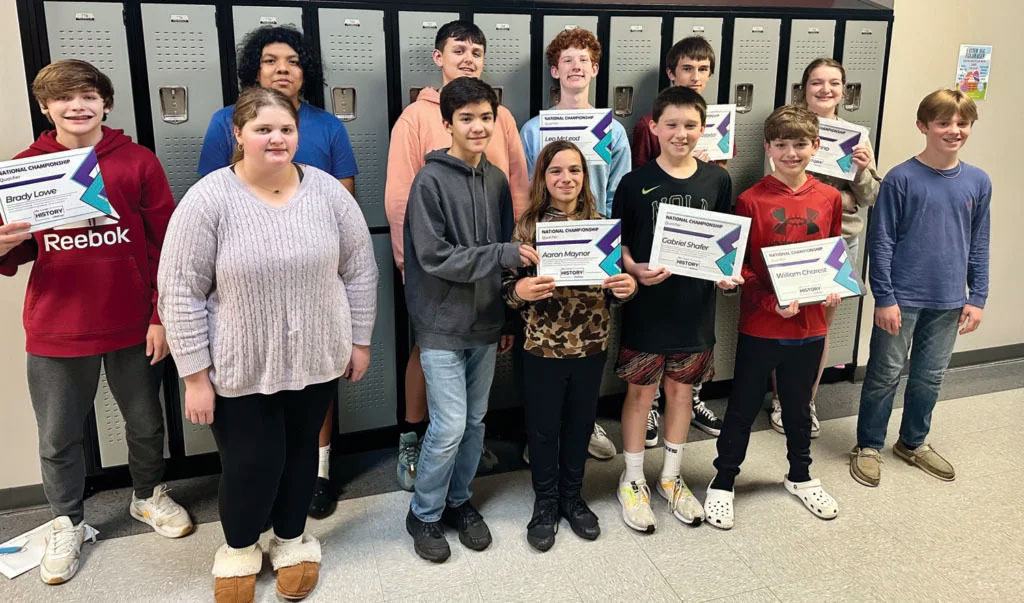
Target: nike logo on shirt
column 644, row 191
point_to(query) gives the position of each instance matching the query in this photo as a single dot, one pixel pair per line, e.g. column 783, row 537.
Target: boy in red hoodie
column 787, row 206
column 92, row 298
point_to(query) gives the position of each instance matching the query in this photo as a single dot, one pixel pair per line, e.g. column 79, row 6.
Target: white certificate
column 718, row 139
column 702, row 244
column 589, row 129
column 809, row 272
column 53, row 190
column 579, row 252
column 835, row 155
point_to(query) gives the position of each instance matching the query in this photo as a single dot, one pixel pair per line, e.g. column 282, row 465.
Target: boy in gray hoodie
column 457, row 229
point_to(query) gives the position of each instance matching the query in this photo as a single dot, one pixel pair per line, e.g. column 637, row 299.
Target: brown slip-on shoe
column 925, row 458
column 295, row 582
column 866, row 466
column 239, row 589
column 235, row 571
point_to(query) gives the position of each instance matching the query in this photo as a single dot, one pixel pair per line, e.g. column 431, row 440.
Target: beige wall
column 926, row 37
column 20, row 464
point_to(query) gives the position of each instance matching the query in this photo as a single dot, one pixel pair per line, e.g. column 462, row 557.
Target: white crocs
column 718, row 508
column 814, row 497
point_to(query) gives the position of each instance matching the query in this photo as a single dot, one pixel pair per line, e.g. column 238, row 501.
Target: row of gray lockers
column 184, row 64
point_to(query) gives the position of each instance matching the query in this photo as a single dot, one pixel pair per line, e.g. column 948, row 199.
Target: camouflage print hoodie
column 572, row 323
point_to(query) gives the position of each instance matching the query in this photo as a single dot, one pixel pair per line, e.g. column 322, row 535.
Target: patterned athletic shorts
column 645, row 368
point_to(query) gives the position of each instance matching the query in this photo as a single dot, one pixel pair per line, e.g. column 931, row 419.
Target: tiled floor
column 912, row 539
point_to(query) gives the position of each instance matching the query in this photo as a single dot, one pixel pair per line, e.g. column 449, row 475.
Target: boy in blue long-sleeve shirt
column 928, row 243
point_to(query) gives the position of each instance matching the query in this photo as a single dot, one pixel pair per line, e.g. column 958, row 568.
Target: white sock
column 287, row 540
column 634, row 466
column 243, row 550
column 673, row 457
column 325, row 462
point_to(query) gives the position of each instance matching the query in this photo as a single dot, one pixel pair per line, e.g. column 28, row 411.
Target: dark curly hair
column 250, row 51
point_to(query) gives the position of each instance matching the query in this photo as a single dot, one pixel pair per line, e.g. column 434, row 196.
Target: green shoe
column 926, row 459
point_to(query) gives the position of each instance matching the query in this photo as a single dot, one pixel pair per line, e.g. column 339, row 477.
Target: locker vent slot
column 95, row 46
column 357, row 52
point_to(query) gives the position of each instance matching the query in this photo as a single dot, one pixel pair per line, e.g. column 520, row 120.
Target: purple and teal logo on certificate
column 95, row 195
column 840, row 260
column 610, row 245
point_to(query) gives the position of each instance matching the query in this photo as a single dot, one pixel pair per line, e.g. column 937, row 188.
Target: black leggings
column 561, row 404
column 796, row 367
column 268, row 455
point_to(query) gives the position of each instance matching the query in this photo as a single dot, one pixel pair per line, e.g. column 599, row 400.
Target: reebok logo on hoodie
column 56, row 242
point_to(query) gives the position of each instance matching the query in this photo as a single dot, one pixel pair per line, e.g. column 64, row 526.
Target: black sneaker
column 428, row 539
column 704, row 418
column 543, row 526
column 581, row 519
column 324, row 499
column 473, row 532
column 651, row 437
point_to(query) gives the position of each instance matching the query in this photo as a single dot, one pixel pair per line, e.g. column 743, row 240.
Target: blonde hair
column 540, row 199
column 790, row 122
column 249, row 103
column 945, row 103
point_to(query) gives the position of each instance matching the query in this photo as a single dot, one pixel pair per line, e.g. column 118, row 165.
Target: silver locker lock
column 622, row 103
column 554, row 96
column 851, row 96
column 343, row 101
column 414, row 91
column 174, row 104
column 798, row 94
column 744, row 98
column 498, row 90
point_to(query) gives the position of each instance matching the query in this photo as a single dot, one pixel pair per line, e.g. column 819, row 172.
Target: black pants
column 561, row 404
column 796, row 367
column 268, row 455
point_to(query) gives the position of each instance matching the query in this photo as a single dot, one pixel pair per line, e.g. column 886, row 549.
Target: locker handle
column 554, row 96
column 744, row 98
column 174, row 104
column 622, row 102
column 414, row 91
column 798, row 94
column 851, row 96
column 499, row 90
column 343, row 102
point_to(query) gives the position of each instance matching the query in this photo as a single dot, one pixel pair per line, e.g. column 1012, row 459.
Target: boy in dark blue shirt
column 928, row 242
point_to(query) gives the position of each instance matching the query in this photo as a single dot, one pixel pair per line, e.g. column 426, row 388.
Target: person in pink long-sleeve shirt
column 459, row 52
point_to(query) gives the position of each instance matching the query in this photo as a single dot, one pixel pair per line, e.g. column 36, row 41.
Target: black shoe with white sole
column 705, row 419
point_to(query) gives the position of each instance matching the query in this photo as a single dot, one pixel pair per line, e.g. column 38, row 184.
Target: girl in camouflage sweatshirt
column 565, row 349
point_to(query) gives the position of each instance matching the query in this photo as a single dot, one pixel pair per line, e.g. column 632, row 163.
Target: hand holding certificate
column 579, row 252
column 809, row 272
column 718, row 139
column 835, row 155
column 708, row 245
column 51, row 190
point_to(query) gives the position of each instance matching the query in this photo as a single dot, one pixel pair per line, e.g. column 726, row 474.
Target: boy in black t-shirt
column 669, row 327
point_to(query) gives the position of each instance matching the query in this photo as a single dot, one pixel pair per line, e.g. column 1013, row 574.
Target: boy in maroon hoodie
column 787, row 206
column 92, row 298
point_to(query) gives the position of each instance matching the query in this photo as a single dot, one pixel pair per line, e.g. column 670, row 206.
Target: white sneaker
column 600, row 445
column 635, row 498
column 775, row 417
column 165, row 516
column 63, row 551
column 681, row 502
column 815, row 425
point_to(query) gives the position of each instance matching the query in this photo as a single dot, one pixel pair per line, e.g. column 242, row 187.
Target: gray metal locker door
column 864, row 60
column 755, row 56
column 198, row 439
column 634, row 57
column 371, row 402
column 505, row 388
column 610, row 382
column 110, row 425
column 184, row 84
column 711, row 30
column 355, row 90
column 808, row 40
column 248, row 18
column 553, row 25
column 507, row 62
column 94, row 32
column 416, row 33
column 727, row 320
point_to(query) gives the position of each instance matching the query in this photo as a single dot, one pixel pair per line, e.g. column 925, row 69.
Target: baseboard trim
column 968, row 358
column 22, row 497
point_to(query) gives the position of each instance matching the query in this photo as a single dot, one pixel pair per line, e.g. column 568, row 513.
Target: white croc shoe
column 718, row 508
column 814, row 497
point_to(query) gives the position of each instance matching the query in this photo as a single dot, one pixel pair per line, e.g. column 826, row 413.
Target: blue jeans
column 458, row 385
column 931, row 334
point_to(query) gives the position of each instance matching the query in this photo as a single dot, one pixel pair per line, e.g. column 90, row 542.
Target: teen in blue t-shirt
column 279, row 58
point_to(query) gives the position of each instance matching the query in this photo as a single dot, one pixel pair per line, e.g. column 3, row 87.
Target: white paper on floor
column 33, row 545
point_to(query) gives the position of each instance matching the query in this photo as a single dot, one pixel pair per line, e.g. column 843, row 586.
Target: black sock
column 420, row 427
column 909, row 447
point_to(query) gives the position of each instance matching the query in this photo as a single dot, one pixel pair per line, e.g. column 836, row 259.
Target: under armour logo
column 785, row 222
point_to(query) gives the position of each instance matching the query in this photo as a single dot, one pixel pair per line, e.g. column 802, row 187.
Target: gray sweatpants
column 62, row 392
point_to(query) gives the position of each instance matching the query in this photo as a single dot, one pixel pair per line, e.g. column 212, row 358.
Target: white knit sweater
column 269, row 298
